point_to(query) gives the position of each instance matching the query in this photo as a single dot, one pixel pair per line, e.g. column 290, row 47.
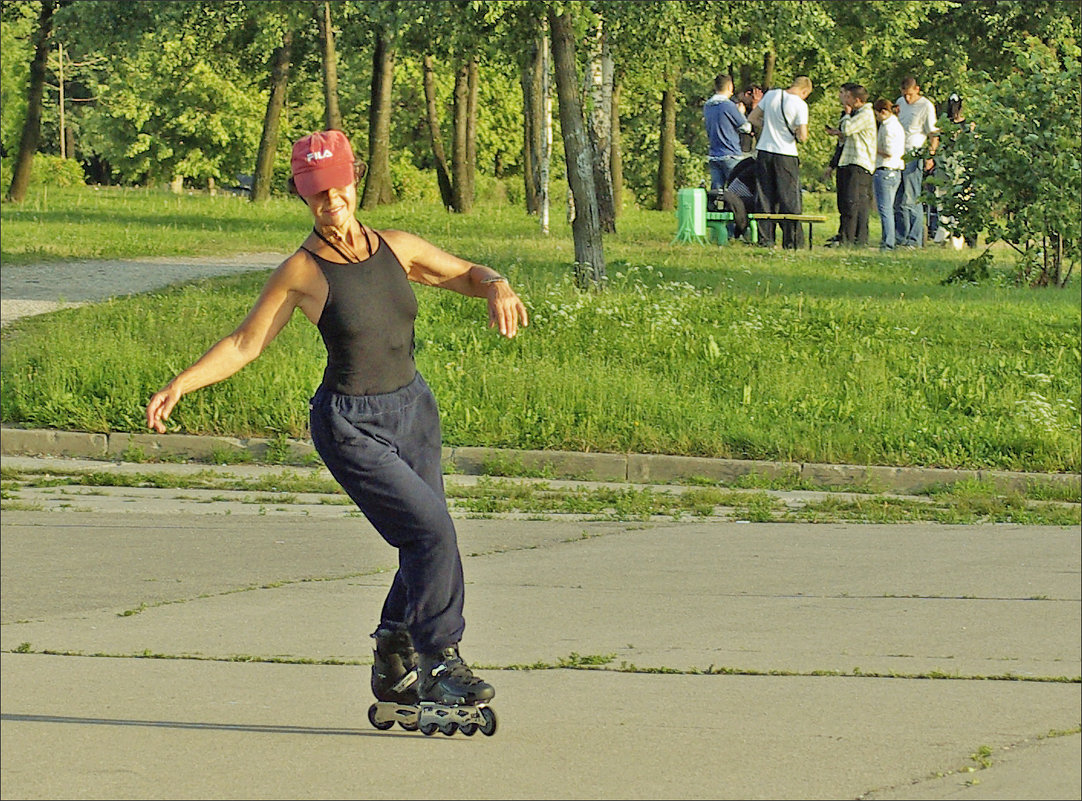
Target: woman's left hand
column 505, row 309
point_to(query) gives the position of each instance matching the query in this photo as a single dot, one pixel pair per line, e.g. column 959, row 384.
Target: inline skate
column 452, row 698
column 394, row 679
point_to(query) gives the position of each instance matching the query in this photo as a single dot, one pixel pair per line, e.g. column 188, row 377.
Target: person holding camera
column 724, row 122
column 855, row 166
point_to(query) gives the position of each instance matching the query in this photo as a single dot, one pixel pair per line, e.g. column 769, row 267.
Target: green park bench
column 694, row 222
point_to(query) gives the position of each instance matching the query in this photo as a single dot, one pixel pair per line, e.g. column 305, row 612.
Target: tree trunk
column 616, row 163
column 745, row 77
column 471, row 127
column 31, row 135
column 378, row 189
column 586, row 227
column 545, row 160
column 434, row 134
column 745, row 68
column 332, row 117
column 460, row 182
column 268, row 142
column 600, row 127
column 769, row 59
column 530, row 79
column 666, row 161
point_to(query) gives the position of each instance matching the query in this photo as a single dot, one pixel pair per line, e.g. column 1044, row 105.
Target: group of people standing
column 776, row 121
column 870, row 157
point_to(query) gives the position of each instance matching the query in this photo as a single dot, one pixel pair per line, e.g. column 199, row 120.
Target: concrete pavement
column 167, row 655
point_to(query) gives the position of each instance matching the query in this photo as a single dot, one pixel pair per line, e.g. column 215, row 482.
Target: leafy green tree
column 17, row 24
column 1016, row 172
column 654, row 45
column 31, row 130
column 179, row 95
column 281, row 61
column 983, row 34
column 166, row 112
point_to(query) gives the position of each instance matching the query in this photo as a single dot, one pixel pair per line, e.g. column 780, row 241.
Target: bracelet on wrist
column 494, row 280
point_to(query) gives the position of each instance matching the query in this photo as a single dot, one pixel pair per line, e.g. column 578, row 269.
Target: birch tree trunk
column 600, row 128
column 268, row 142
column 586, row 227
column 616, row 163
column 546, row 135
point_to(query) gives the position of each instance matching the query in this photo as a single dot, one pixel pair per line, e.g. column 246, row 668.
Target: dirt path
column 39, row 288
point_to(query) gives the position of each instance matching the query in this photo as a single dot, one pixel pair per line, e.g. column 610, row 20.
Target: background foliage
column 165, row 89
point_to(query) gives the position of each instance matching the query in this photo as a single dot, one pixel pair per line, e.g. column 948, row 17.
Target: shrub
column 411, row 183
column 1014, row 171
column 46, row 171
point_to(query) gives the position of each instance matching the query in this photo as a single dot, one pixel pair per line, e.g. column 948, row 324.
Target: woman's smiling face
column 335, row 207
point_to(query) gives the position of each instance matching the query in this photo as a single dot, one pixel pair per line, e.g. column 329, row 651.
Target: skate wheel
column 407, row 726
column 469, row 729
column 382, row 725
column 449, row 729
column 428, row 729
column 488, row 728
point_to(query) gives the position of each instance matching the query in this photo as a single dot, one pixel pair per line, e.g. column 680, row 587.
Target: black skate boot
column 452, row 698
column 394, row 679
column 394, row 666
column 446, row 679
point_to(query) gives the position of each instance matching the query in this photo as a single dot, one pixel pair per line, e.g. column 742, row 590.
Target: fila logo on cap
column 326, row 154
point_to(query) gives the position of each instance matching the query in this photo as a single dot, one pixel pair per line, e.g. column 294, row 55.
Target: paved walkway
column 39, row 288
column 156, row 653
column 152, row 654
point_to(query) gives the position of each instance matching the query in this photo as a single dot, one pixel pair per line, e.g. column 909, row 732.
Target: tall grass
column 829, row 356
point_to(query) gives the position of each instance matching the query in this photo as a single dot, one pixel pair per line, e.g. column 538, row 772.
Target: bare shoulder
column 403, row 243
column 424, row 262
column 297, row 273
column 297, row 283
column 411, row 250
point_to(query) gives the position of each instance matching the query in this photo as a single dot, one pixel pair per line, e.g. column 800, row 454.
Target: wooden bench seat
column 717, row 221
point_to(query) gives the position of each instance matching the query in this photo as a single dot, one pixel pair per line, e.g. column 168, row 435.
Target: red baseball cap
column 320, row 161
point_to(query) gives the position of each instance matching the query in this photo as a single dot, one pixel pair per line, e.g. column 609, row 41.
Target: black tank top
column 367, row 324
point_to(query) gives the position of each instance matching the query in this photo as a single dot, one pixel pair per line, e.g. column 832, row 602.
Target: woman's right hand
column 160, row 406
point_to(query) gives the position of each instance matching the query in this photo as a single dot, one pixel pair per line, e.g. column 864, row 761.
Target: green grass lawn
column 843, row 356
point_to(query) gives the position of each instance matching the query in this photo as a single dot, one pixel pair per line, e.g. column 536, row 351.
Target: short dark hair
column 858, row 92
column 721, row 81
column 954, row 105
column 908, row 82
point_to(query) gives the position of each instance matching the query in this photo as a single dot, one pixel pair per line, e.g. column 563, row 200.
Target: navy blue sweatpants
column 385, row 452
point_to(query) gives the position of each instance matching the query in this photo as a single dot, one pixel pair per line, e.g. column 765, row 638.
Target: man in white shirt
column 917, row 115
column 783, row 115
column 855, row 166
column 890, row 148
